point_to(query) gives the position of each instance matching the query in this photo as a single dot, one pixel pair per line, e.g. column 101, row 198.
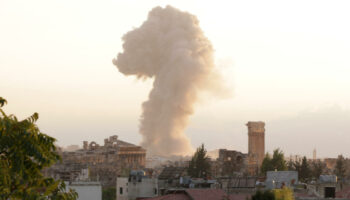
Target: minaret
column 314, row 154
column 256, row 140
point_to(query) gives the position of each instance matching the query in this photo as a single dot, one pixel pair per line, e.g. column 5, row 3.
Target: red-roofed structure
column 206, row 194
column 304, row 195
column 202, row 194
column 344, row 193
column 172, row 197
column 240, row 196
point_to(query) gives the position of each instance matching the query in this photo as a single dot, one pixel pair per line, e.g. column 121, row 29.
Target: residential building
column 279, row 179
column 87, row 190
column 136, row 186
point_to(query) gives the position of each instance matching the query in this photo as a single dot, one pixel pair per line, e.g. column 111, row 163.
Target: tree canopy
column 276, row 194
column 340, row 167
column 109, row 193
column 199, row 166
column 277, row 162
column 317, row 168
column 305, row 170
column 24, row 152
column 284, row 194
column 265, row 195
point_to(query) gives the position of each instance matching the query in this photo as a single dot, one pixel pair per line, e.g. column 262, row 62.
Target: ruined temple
column 235, row 163
column 102, row 163
column 231, row 163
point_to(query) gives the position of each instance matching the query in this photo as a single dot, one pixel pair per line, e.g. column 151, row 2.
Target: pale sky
column 286, row 62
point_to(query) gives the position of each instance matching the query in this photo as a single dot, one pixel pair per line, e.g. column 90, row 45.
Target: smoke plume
column 171, row 48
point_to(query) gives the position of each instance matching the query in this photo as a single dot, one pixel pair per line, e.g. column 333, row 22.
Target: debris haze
column 171, row 48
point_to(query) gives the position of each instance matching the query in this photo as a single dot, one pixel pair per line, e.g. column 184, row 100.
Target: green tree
column 340, row 167
column 277, row 162
column 290, row 165
column 267, row 164
column 266, row 195
column 24, row 152
column 297, row 166
column 276, row 194
column 305, row 171
column 109, row 193
column 317, row 168
column 199, row 166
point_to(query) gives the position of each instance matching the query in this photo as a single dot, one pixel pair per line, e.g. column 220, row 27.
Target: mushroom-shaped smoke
column 171, row 48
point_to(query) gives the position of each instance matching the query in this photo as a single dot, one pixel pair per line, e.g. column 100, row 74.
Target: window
column 120, row 190
column 329, row 192
column 155, row 191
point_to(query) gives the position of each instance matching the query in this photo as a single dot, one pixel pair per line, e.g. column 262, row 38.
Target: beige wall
column 122, row 182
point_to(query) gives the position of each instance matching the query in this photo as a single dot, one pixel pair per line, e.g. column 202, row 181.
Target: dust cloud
column 171, row 48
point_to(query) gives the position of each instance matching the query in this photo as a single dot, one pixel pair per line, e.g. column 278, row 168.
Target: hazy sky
column 287, row 63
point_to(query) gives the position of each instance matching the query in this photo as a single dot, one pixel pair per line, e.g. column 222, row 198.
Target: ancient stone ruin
column 99, row 163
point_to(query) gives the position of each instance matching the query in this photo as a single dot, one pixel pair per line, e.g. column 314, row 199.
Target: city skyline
column 287, row 67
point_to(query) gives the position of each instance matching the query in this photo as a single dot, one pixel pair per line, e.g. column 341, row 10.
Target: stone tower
column 256, row 141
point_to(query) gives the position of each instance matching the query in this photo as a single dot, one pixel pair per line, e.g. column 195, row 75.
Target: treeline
column 307, row 169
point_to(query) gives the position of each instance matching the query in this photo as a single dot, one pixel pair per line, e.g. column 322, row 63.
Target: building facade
column 136, row 186
column 86, row 190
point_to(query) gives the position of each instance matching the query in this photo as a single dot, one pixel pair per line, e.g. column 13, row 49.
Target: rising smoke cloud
column 171, row 48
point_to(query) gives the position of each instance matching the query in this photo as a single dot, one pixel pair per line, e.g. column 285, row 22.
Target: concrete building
column 327, row 186
column 238, row 185
column 122, row 188
column 279, row 179
column 136, row 186
column 86, row 190
column 171, row 177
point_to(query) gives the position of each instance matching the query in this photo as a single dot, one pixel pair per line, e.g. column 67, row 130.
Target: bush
column 266, row 195
column 109, row 194
column 284, row 194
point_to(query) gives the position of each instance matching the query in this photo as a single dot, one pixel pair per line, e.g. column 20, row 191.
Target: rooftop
column 171, row 172
column 201, row 194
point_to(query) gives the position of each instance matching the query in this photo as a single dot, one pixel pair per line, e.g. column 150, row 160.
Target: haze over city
column 282, row 64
